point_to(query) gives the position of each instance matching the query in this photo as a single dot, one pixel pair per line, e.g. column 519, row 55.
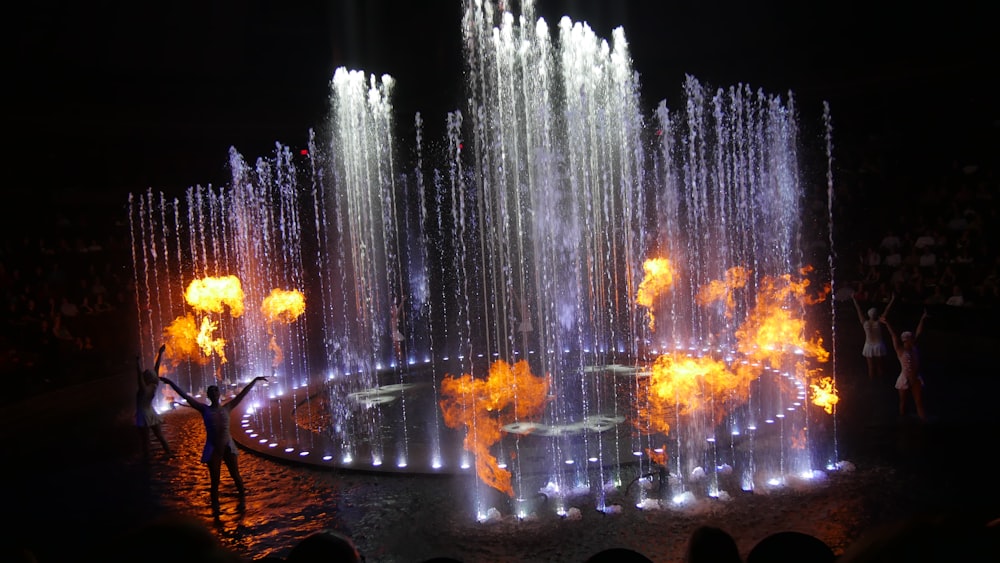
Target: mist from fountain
column 528, row 242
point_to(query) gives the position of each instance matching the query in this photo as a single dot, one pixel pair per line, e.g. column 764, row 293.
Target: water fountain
column 576, row 298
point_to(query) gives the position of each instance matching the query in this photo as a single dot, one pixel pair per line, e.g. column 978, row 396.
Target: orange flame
column 772, row 328
column 799, row 441
column 659, row 277
column 283, row 305
column 214, row 294
column 736, row 277
column 824, row 394
column 772, row 333
column 186, row 340
column 279, row 355
column 685, row 386
column 658, row 457
column 484, row 407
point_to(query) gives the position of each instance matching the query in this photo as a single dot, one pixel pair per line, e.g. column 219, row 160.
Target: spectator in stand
column 85, row 308
column 936, row 297
column 872, row 277
column 100, row 305
column 956, row 299
column 925, row 240
column 890, row 242
column 67, row 308
column 872, row 258
column 709, row 544
column 927, row 258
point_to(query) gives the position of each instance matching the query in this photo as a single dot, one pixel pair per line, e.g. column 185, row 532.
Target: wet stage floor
column 75, row 484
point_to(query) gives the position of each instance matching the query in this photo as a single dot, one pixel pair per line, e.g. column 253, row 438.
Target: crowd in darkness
column 928, row 236
column 65, row 279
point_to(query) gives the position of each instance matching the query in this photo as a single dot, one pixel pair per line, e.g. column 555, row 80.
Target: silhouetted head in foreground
column 928, row 539
column 618, row 555
column 791, row 547
column 170, row 539
column 326, row 546
column 709, row 544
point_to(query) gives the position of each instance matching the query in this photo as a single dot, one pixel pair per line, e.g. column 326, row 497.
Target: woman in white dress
column 875, row 349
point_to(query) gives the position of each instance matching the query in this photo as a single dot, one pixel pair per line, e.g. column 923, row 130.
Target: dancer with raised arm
column 909, row 381
column 147, row 420
column 875, row 349
column 219, row 444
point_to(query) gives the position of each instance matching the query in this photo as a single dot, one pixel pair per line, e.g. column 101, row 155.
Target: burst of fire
column 187, row 340
column 722, row 290
column 190, row 340
column 658, row 455
column 799, row 441
column 214, row 294
column 687, row 386
column 775, row 326
column 658, row 279
column 485, row 406
column 824, row 394
column 772, row 334
column 281, row 306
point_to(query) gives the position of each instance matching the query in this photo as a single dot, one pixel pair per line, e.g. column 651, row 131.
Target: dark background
column 107, row 98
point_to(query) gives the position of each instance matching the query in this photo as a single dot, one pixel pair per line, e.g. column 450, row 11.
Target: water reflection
column 400, row 518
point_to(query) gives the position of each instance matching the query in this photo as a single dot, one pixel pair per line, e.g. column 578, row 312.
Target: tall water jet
column 576, row 297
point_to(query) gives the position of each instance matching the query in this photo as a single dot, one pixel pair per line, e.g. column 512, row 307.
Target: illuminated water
column 525, row 241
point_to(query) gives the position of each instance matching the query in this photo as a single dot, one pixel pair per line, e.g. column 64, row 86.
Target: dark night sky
column 114, row 97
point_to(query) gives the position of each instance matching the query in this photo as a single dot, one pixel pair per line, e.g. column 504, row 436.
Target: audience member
column 618, row 555
column 171, row 539
column 326, row 546
column 709, row 544
column 791, row 547
column 927, row 539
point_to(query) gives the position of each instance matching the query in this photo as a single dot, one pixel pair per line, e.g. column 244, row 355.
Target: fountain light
column 253, row 230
